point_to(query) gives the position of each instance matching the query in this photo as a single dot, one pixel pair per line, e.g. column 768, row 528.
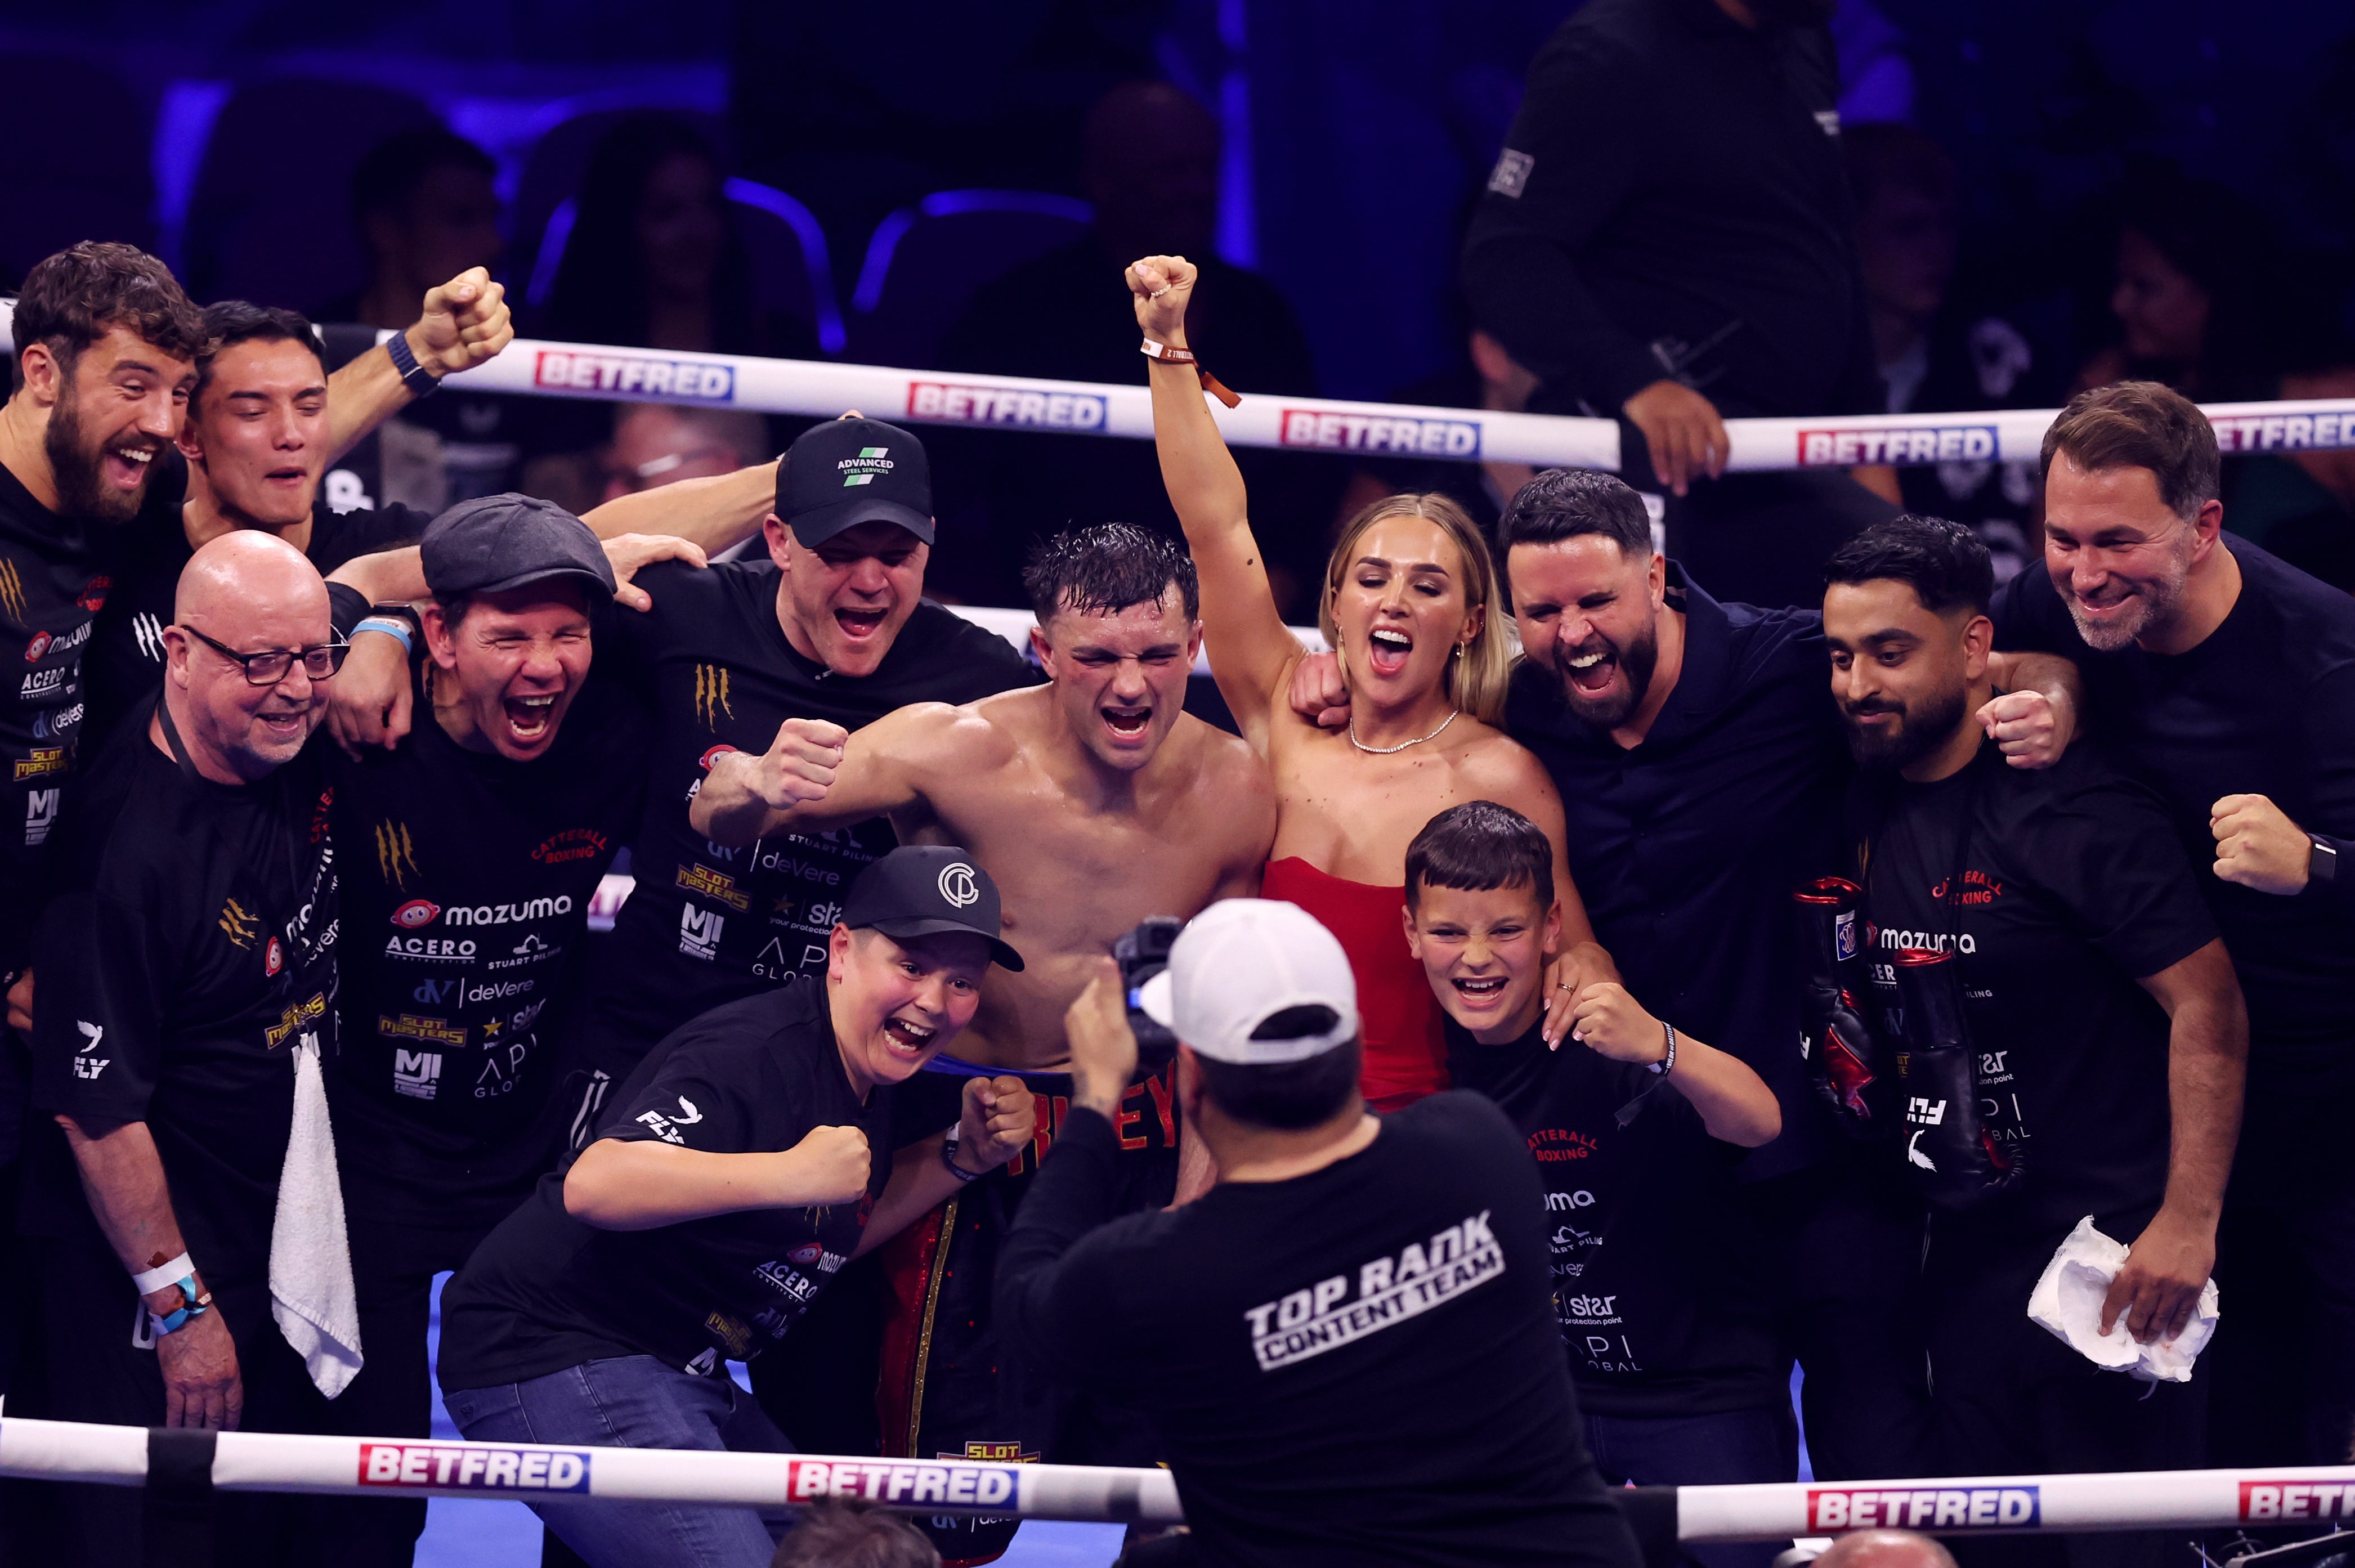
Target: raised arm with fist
column 1162, row 286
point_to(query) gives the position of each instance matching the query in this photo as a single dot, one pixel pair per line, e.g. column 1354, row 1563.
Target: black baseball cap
column 497, row 542
column 924, row 890
column 848, row 472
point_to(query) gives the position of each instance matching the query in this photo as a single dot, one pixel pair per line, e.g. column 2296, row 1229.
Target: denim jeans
column 637, row 1402
column 1736, row 1446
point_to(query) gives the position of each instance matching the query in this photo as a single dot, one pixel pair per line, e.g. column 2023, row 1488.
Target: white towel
column 2067, row 1301
column 311, row 1291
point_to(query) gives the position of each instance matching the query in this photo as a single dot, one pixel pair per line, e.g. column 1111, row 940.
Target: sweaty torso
column 1351, row 813
column 1074, row 866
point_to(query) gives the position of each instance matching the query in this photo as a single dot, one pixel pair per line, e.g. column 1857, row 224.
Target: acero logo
column 415, row 912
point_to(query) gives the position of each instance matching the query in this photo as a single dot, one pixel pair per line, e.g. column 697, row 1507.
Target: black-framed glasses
column 270, row 669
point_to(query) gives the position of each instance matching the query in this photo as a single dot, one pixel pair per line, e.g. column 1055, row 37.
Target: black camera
column 1142, row 953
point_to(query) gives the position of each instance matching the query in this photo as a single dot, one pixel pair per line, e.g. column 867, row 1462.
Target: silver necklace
column 1403, row 745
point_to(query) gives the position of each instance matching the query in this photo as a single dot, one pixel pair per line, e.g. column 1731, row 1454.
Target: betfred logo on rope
column 1367, row 433
column 950, row 404
column 1922, row 1507
column 647, row 374
column 902, row 1481
column 462, row 1469
column 2287, row 1503
column 1919, row 445
column 2284, row 432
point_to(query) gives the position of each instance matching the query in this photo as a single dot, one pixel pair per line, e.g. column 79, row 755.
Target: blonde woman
column 1409, row 605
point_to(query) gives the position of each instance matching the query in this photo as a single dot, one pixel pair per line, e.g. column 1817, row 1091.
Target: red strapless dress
column 1406, row 1057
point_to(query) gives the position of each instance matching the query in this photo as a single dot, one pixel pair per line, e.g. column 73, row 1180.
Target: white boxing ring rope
column 361, row 1466
column 821, row 388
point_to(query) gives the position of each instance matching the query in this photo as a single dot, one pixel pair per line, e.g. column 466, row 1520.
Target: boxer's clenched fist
column 2030, row 727
column 1162, row 286
column 798, row 769
column 1000, row 1119
column 830, row 1166
column 464, row 324
column 2258, row 846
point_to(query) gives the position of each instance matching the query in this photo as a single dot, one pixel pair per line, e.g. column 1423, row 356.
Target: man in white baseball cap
column 1349, row 1343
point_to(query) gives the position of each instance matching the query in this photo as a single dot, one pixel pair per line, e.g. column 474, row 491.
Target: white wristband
column 391, row 626
column 164, row 1273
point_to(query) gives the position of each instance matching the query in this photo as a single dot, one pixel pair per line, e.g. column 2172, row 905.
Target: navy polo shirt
column 1686, row 848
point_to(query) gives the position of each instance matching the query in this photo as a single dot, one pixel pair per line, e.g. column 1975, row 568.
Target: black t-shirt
column 1686, row 847
column 194, row 950
column 2266, row 706
column 125, row 661
column 2071, row 888
column 53, row 582
column 1644, row 1229
column 708, row 922
column 1355, row 1366
column 1671, row 200
column 467, row 881
column 545, row 1291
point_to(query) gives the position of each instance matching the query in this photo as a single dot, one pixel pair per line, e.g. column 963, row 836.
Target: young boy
column 1636, row 1128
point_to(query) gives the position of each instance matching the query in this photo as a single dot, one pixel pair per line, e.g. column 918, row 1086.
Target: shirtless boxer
column 1093, row 802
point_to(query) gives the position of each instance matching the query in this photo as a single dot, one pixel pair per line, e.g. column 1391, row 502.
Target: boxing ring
column 182, row 1467
column 823, row 389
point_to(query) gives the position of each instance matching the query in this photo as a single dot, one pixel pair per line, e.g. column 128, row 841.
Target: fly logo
column 1388, row 1291
column 416, row 1073
column 1924, row 1112
column 711, row 695
column 41, row 814
column 1922, row 1508
column 86, row 1065
column 665, row 1128
column 2289, row 1501
column 396, row 853
column 863, row 468
column 698, row 931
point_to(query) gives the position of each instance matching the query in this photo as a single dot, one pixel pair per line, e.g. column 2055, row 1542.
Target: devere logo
column 646, row 375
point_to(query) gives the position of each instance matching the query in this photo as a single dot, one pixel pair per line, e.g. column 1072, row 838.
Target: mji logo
column 41, row 814
column 1922, row 1507
column 698, row 931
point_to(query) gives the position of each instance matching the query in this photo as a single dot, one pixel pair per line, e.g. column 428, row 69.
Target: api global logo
column 1922, row 1507
column 647, row 375
column 1921, row 445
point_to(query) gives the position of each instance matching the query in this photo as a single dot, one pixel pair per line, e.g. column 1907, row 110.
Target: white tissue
column 2067, row 1302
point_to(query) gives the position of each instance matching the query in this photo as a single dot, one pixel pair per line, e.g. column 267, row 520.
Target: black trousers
column 1841, row 1251
column 2007, row 1399
column 2285, row 1347
column 1762, row 538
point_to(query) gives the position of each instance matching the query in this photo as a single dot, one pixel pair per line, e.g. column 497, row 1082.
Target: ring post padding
column 177, row 1508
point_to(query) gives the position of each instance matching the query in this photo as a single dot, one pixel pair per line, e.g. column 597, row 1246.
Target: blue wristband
column 391, row 626
column 948, row 1157
column 424, row 383
column 192, row 1307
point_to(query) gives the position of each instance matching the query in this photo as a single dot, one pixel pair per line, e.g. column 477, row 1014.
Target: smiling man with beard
column 2225, row 678
column 2101, row 1011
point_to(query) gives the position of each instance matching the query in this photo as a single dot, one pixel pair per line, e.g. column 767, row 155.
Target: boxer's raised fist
column 1162, row 286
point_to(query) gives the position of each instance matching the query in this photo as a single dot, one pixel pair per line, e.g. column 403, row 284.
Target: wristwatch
column 421, row 382
column 2322, row 860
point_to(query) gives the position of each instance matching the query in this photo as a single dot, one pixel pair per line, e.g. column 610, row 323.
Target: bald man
column 187, row 987
column 1885, row 1549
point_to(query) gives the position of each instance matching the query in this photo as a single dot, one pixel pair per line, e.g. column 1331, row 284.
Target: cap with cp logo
column 922, row 889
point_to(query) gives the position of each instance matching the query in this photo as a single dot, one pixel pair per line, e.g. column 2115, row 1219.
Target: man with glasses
column 187, row 996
